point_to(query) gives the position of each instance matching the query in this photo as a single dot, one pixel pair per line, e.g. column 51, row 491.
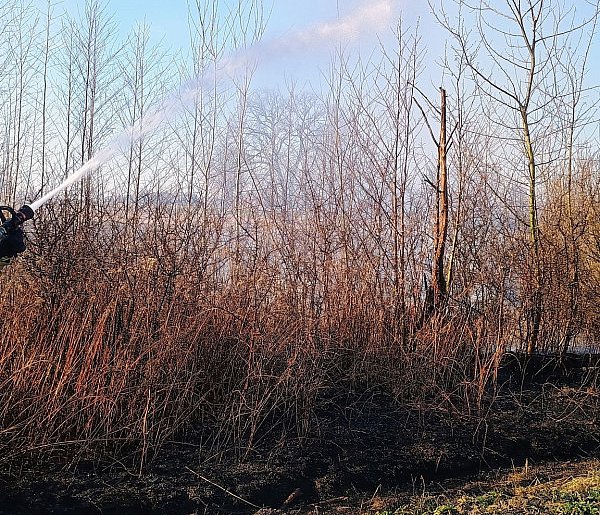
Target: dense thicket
column 232, row 269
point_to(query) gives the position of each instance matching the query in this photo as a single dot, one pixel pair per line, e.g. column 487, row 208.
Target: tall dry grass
column 111, row 356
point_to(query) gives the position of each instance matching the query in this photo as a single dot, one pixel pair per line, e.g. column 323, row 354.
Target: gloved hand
column 12, row 244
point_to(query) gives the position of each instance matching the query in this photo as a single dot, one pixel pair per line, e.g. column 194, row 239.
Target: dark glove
column 12, row 244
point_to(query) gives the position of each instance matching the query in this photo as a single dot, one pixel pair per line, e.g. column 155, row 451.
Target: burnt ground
column 360, row 445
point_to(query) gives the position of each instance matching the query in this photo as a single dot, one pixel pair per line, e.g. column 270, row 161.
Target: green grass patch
column 574, row 491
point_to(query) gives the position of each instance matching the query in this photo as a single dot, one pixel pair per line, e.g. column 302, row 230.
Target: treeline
column 231, row 270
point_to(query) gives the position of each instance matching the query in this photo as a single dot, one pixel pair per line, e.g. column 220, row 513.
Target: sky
column 168, row 23
column 293, row 48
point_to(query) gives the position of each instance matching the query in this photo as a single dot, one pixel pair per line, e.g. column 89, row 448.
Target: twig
column 328, row 501
column 222, row 488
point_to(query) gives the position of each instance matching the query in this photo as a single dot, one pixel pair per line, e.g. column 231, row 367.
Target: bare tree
column 517, row 48
column 94, row 53
column 19, row 70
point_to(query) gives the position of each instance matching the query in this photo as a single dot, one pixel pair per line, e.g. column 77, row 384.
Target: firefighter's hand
column 12, row 244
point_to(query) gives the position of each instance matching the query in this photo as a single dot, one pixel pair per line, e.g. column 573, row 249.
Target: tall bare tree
column 511, row 56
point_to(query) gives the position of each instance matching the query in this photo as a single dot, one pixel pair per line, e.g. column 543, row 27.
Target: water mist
column 370, row 17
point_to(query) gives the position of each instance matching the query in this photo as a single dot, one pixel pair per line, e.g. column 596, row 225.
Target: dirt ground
column 367, row 455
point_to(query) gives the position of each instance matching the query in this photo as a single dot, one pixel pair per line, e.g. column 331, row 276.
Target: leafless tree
column 512, row 55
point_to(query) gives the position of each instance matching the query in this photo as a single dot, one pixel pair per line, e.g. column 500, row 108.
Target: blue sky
column 168, row 18
column 168, row 22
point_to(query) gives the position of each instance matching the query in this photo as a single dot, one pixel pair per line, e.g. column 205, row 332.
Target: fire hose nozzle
column 22, row 215
column 17, row 218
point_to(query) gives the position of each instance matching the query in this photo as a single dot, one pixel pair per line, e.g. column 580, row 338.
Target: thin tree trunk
column 438, row 282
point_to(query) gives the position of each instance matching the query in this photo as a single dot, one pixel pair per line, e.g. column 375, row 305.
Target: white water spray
column 371, row 17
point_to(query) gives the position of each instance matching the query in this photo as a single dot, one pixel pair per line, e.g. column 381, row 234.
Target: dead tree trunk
column 436, row 294
column 438, row 280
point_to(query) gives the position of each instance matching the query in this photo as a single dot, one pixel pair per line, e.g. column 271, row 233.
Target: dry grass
column 108, row 360
column 112, row 352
